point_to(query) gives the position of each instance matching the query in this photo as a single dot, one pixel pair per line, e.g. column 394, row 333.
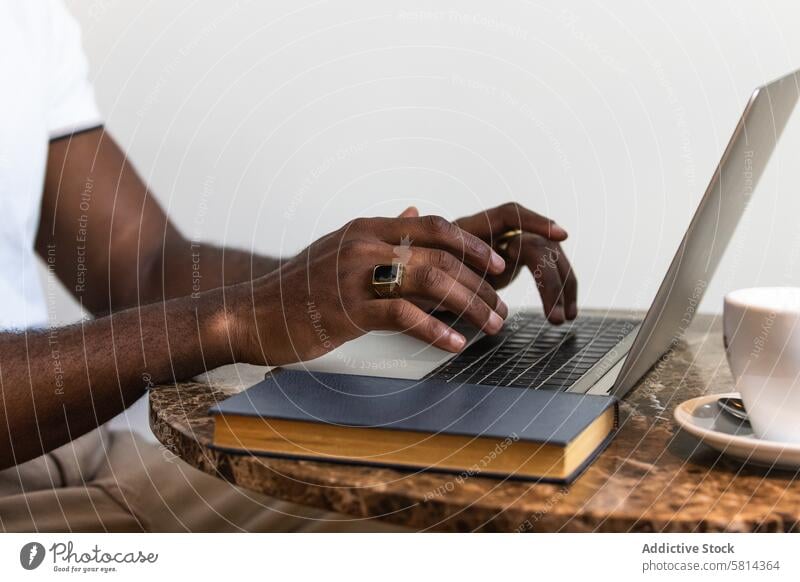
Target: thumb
column 410, row 212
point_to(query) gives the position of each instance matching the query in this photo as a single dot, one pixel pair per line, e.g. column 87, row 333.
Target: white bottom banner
column 354, row 557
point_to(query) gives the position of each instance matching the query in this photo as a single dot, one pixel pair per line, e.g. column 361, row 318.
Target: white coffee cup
column 762, row 341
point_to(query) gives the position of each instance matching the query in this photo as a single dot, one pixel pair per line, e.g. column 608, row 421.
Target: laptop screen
column 711, row 228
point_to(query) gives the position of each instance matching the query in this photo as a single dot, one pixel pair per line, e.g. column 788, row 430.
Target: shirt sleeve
column 71, row 104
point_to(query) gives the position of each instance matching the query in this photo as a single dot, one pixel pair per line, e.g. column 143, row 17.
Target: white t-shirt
column 45, row 94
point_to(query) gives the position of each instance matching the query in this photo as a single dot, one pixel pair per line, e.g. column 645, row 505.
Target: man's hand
column 537, row 248
column 323, row 297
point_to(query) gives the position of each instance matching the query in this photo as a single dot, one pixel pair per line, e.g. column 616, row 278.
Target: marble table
column 653, row 476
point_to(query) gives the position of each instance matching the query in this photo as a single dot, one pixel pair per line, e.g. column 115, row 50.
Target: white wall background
column 266, row 124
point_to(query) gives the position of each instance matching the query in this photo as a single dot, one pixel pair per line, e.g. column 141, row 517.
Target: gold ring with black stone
column 502, row 242
column 387, row 279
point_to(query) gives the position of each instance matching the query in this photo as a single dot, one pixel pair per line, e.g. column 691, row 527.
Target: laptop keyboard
column 531, row 353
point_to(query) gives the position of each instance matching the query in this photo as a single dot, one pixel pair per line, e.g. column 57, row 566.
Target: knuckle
column 443, row 260
column 538, row 242
column 358, row 224
column 355, row 248
column 477, row 306
column 552, row 256
column 540, row 274
column 432, row 329
column 397, row 311
column 488, row 294
column 476, row 247
column 438, row 225
column 428, row 276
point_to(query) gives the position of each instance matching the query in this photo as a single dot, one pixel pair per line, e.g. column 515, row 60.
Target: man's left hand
column 537, row 248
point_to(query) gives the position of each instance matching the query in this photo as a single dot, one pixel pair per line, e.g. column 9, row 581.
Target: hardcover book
column 424, row 424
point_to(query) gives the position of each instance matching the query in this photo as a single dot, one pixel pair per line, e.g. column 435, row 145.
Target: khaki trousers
column 139, row 488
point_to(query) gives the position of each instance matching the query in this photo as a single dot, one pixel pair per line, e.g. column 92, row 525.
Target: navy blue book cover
column 427, row 406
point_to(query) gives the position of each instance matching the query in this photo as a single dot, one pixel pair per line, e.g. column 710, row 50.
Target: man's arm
column 111, row 244
column 58, row 384
column 109, row 241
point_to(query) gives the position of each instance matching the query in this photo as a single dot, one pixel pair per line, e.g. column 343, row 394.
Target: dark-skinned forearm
column 60, row 383
column 190, row 268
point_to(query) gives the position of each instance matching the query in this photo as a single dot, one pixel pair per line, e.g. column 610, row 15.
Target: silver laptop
column 598, row 355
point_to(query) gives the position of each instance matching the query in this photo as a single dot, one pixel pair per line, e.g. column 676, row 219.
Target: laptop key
column 532, row 354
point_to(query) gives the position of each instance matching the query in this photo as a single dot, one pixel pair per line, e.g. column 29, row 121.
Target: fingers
column 492, row 223
column 462, row 274
column 403, row 316
column 542, row 260
column 435, row 232
column 432, row 284
column 437, row 278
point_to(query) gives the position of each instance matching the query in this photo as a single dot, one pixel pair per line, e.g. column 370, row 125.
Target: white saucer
column 705, row 420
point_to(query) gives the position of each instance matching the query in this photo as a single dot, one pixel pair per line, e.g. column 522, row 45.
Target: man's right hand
column 323, row 297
